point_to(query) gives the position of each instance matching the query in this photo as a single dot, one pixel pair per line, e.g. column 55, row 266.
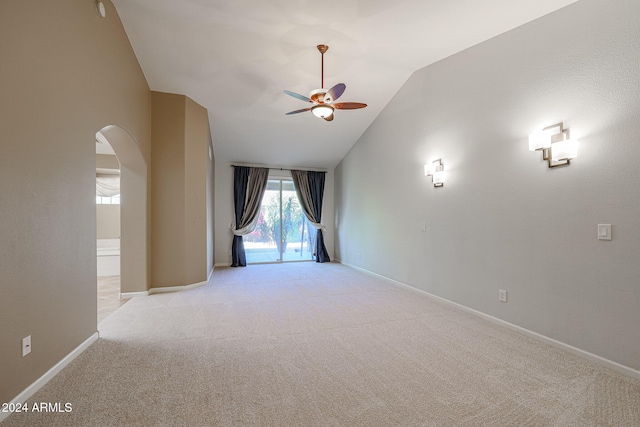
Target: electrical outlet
column 26, row 345
column 502, row 295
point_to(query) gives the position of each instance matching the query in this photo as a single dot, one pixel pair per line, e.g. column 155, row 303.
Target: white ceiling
column 235, row 57
column 103, row 146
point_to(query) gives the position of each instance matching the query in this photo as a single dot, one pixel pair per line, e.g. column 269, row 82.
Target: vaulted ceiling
column 235, row 58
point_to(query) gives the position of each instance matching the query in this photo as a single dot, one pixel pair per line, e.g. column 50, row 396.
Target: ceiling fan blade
column 297, row 111
column 334, row 93
column 297, row 95
column 329, row 118
column 349, row 105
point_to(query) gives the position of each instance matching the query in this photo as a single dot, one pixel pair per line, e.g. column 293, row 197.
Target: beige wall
column 211, row 185
column 180, row 132
column 196, row 156
column 167, row 189
column 66, row 73
column 107, row 221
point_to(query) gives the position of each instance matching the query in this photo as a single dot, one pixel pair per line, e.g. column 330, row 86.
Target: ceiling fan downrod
column 322, row 48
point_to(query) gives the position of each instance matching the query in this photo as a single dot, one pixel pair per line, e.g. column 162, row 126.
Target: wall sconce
column 556, row 145
column 436, row 171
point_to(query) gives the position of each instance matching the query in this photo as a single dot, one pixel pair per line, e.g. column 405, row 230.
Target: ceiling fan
column 324, row 100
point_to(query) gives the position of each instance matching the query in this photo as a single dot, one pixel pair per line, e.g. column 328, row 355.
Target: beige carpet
column 311, row 344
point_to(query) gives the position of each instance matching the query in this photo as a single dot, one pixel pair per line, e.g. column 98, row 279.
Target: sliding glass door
column 283, row 232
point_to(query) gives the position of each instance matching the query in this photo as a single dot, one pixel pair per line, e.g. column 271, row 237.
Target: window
column 107, row 189
column 103, row 200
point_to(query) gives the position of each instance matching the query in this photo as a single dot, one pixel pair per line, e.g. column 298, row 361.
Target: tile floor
column 109, row 296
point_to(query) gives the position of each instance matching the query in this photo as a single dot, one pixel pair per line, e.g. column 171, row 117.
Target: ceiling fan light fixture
column 323, row 99
column 322, row 110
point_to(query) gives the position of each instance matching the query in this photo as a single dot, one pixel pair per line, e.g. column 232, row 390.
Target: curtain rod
column 277, row 169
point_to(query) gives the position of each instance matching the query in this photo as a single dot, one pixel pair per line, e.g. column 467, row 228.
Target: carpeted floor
column 309, row 344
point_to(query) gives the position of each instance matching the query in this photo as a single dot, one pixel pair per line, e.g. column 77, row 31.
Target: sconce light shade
column 556, row 145
column 564, row 150
column 436, row 171
column 438, row 178
column 539, row 140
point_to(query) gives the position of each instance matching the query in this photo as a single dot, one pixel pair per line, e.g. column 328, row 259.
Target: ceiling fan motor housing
column 318, row 95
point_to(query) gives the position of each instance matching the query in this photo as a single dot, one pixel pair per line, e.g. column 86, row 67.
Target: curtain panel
column 309, row 187
column 249, row 185
column 107, row 185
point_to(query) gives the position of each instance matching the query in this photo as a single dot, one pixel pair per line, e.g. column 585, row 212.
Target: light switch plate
column 26, row 345
column 604, row 231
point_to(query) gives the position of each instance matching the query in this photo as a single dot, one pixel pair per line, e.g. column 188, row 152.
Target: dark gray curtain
column 248, row 188
column 240, row 180
column 310, row 190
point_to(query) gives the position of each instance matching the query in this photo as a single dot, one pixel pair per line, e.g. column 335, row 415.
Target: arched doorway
column 107, row 228
column 133, row 210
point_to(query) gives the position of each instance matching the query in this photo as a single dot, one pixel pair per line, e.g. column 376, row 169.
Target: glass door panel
column 282, row 232
column 295, row 227
column 260, row 246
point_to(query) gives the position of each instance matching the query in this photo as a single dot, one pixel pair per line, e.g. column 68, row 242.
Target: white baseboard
column 615, row 366
column 133, row 294
column 162, row 290
column 176, row 288
column 40, row 382
column 223, row 264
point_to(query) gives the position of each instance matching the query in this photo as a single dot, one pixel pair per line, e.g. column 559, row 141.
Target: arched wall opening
column 133, row 210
